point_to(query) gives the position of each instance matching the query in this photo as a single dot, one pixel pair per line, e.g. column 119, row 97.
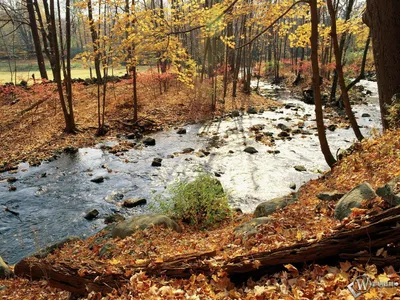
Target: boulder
column 70, row 150
column 91, row 214
column 187, row 150
column 332, row 127
column 129, row 203
column 267, row 208
column 132, row 136
column 252, row 110
column 5, row 271
column 149, row 141
column 251, row 227
column 98, row 179
column 274, row 151
column 142, row 222
column 283, row 127
column 250, row 150
column 42, row 253
column 292, row 186
column 353, row 199
column 283, row 134
column 365, row 115
column 11, row 179
column 330, row 196
column 390, row 192
column 181, row 131
column 300, row 168
column 235, row 113
column 115, row 218
column 156, row 162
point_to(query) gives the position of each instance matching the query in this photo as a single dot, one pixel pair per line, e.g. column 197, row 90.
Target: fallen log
column 67, row 277
column 36, row 104
column 383, row 229
column 353, row 244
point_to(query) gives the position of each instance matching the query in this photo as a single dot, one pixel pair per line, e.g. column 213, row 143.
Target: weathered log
column 364, row 257
column 353, row 244
column 66, row 277
column 382, row 231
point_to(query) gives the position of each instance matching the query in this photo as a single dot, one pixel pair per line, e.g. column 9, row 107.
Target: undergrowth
column 201, row 201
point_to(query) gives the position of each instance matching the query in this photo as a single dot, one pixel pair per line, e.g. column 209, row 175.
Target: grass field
column 25, row 69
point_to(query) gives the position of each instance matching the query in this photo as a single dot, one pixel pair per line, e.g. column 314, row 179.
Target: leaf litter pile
column 375, row 161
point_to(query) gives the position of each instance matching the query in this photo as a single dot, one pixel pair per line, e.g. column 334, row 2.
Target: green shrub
column 201, row 201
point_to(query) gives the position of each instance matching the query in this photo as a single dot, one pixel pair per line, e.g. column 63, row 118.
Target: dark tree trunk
column 383, row 19
column 68, row 116
column 316, row 85
column 36, row 39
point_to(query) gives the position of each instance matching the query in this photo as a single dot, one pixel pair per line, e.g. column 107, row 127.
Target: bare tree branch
column 272, row 24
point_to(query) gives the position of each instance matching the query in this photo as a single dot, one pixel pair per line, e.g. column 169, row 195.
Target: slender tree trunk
column 36, row 39
column 339, row 70
column 95, row 42
column 316, row 85
column 349, row 9
column 67, row 78
column 363, row 63
column 69, row 121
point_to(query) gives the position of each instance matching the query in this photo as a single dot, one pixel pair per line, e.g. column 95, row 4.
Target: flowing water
column 53, row 198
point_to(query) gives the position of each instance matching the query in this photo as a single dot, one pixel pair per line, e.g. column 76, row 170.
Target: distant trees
column 222, row 42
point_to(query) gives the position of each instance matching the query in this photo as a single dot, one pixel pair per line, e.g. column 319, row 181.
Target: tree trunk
column 383, row 19
column 36, row 39
column 69, row 120
column 316, row 86
column 95, row 42
column 364, row 61
column 339, row 70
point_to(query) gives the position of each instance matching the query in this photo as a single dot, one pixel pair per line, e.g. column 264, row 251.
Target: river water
column 53, row 198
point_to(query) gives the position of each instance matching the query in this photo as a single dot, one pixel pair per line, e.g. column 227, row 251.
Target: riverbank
column 33, row 134
column 307, row 220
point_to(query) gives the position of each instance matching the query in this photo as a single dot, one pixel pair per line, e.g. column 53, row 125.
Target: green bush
column 201, row 201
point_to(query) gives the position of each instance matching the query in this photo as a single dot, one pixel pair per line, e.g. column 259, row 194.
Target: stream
column 53, row 198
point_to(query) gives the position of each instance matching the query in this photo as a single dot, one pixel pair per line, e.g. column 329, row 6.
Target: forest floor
column 35, row 135
column 375, row 160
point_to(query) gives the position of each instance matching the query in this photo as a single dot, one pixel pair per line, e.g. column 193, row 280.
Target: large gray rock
column 42, row 253
column 267, row 208
column 127, row 227
column 250, row 150
column 5, row 271
column 353, row 199
column 390, row 192
column 251, row 227
column 330, row 196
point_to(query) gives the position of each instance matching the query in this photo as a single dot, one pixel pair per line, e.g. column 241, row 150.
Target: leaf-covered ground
column 375, row 161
